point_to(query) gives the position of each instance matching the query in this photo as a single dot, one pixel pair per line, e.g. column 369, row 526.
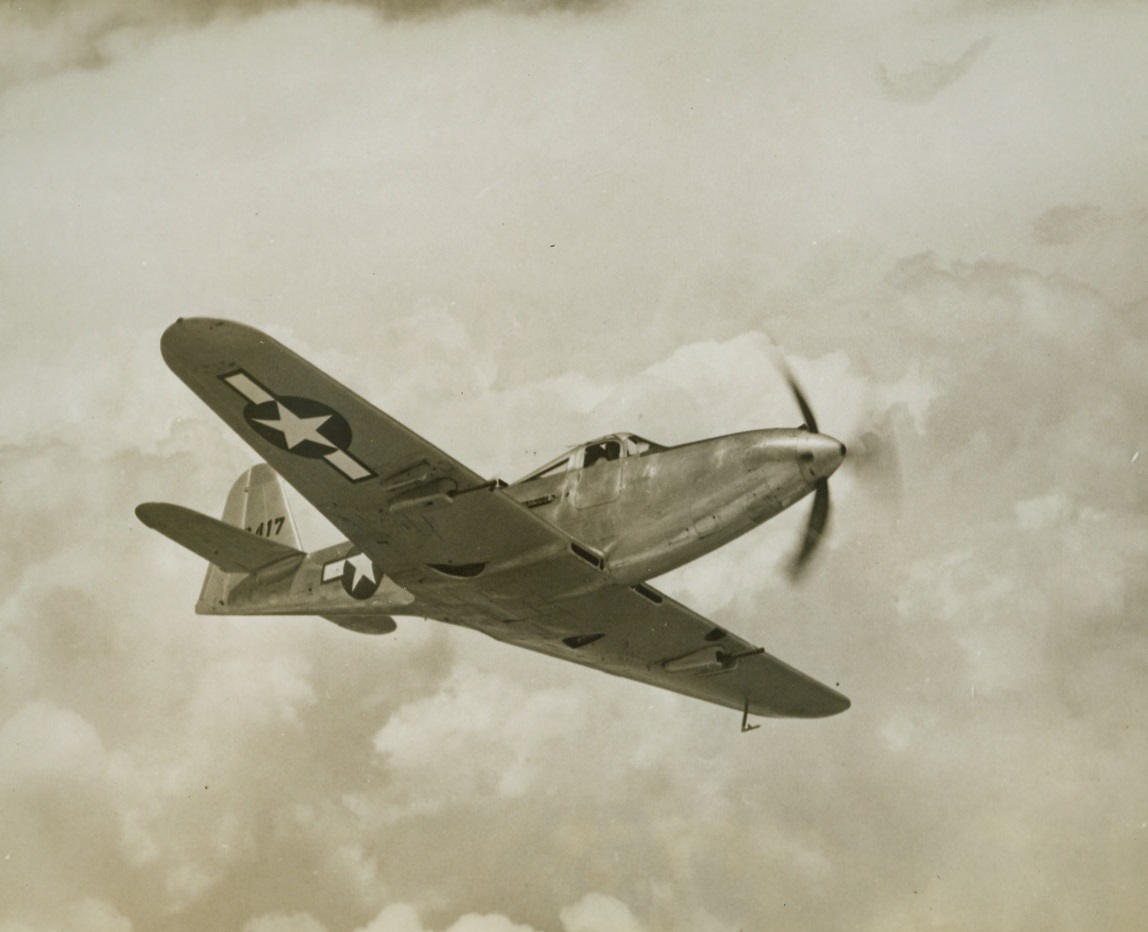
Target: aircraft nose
column 821, row 456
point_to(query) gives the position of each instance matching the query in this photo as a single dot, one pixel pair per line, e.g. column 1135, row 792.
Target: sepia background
column 516, row 226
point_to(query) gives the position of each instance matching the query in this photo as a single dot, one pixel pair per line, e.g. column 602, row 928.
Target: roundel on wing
column 300, row 425
column 361, row 576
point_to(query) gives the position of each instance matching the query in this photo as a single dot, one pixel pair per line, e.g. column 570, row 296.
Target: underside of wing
column 644, row 635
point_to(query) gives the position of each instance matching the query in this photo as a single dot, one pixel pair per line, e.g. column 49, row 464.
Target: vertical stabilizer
column 257, row 504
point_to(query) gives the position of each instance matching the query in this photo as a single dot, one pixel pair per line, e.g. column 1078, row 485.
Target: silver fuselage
column 652, row 513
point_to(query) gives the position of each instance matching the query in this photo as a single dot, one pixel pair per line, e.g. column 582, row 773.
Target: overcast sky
column 517, row 226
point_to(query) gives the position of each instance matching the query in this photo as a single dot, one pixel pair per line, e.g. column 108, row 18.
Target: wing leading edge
column 470, row 554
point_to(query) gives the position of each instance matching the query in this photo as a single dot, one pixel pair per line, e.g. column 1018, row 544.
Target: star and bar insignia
column 301, row 426
column 359, row 574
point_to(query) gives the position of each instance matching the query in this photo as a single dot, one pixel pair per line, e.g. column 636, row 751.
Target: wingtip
column 174, row 342
column 828, row 703
column 154, row 514
column 192, row 339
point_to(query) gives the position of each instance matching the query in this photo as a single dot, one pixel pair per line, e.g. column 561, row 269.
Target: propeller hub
column 820, row 456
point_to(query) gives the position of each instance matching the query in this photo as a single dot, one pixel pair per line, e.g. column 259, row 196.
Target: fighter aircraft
column 556, row 562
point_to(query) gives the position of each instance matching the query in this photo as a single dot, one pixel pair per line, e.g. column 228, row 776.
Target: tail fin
column 256, row 503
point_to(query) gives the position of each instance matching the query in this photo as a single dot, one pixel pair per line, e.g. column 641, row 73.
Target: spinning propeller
column 819, row 513
column 875, row 451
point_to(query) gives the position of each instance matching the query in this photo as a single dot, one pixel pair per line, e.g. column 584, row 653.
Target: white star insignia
column 364, row 569
column 297, row 430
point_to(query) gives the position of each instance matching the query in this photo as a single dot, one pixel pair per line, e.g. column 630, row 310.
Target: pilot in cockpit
column 605, row 450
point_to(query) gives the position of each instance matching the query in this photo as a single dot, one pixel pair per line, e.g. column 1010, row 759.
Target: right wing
column 642, row 634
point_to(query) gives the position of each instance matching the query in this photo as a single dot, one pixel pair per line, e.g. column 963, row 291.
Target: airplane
column 557, row 562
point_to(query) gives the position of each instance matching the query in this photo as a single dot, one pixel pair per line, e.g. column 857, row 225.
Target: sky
column 515, row 226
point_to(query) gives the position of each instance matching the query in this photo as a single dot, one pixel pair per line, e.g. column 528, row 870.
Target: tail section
column 256, row 534
column 257, row 505
column 256, row 565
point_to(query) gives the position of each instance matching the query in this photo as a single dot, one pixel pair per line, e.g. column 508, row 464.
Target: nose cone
column 821, row 456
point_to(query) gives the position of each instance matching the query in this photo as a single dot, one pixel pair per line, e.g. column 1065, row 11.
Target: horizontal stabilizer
column 232, row 549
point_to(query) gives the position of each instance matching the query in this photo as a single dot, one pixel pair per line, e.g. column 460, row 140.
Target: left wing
column 421, row 515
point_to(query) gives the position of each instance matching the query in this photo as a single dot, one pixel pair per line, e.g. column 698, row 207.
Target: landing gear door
column 599, row 481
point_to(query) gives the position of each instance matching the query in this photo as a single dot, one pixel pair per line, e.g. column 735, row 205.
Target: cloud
column 397, row 917
column 923, row 83
column 598, row 913
column 594, row 912
column 512, row 726
column 45, row 38
column 279, row 922
column 400, row 917
column 1068, row 223
column 84, row 915
column 40, row 742
column 472, row 922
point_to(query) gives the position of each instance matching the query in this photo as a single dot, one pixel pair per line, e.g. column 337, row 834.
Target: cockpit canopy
column 604, row 449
